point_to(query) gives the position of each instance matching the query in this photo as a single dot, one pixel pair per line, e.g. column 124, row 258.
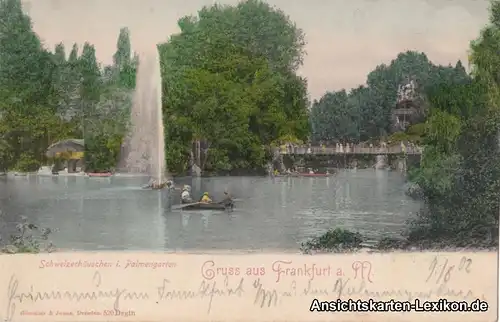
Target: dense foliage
column 365, row 112
column 459, row 174
column 336, row 240
column 27, row 238
column 230, row 82
column 460, row 170
column 46, row 97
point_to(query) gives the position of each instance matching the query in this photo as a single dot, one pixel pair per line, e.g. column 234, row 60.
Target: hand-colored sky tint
column 346, row 38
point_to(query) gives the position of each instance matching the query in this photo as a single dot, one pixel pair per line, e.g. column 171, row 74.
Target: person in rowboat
column 228, row 200
column 205, row 198
column 154, row 184
column 170, row 185
column 186, row 195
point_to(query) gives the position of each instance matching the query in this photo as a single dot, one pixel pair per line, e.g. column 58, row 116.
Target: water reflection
column 185, row 219
column 204, row 218
column 285, row 186
column 382, row 177
column 270, row 213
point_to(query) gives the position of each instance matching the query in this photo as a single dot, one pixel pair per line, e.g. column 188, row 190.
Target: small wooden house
column 70, row 152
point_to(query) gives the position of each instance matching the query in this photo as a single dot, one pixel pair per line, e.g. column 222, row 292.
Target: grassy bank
column 339, row 240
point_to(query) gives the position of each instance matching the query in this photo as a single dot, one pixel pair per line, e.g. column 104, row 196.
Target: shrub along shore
column 343, row 241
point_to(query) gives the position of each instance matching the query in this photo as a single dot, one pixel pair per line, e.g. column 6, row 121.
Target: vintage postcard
column 249, row 160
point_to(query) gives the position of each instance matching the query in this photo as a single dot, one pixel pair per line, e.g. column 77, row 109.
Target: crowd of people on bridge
column 403, row 147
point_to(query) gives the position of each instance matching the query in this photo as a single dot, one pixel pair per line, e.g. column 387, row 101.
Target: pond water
column 270, row 214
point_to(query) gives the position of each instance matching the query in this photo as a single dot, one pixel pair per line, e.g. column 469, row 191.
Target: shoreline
column 13, row 174
column 268, row 252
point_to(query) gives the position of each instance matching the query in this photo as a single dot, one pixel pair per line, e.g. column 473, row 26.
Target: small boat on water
column 99, row 175
column 202, row 206
column 159, row 186
column 155, row 187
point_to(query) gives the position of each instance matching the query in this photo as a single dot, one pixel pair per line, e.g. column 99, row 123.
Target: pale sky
column 346, row 38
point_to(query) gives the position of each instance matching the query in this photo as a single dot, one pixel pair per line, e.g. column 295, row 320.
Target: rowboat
column 202, row 206
column 155, row 187
column 102, row 174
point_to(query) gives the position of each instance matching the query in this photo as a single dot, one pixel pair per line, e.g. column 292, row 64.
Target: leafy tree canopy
column 460, row 170
column 366, row 112
column 45, row 98
column 229, row 80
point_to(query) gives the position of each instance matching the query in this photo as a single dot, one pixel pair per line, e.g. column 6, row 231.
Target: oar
column 232, row 199
column 184, row 205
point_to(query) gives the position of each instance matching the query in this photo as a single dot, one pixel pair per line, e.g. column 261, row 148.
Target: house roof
column 69, row 145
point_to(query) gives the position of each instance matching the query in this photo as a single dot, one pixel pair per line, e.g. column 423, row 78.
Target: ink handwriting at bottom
column 33, row 295
column 206, row 290
column 264, row 297
column 272, row 297
column 349, row 288
column 268, row 298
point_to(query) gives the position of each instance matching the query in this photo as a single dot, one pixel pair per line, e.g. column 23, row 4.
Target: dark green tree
column 460, row 170
column 124, row 66
column 229, row 82
column 73, row 55
column 60, row 54
column 369, row 109
column 123, row 54
column 90, row 75
column 26, row 73
column 336, row 118
column 90, row 95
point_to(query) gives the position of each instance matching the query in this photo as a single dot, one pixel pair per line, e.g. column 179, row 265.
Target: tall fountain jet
column 143, row 152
